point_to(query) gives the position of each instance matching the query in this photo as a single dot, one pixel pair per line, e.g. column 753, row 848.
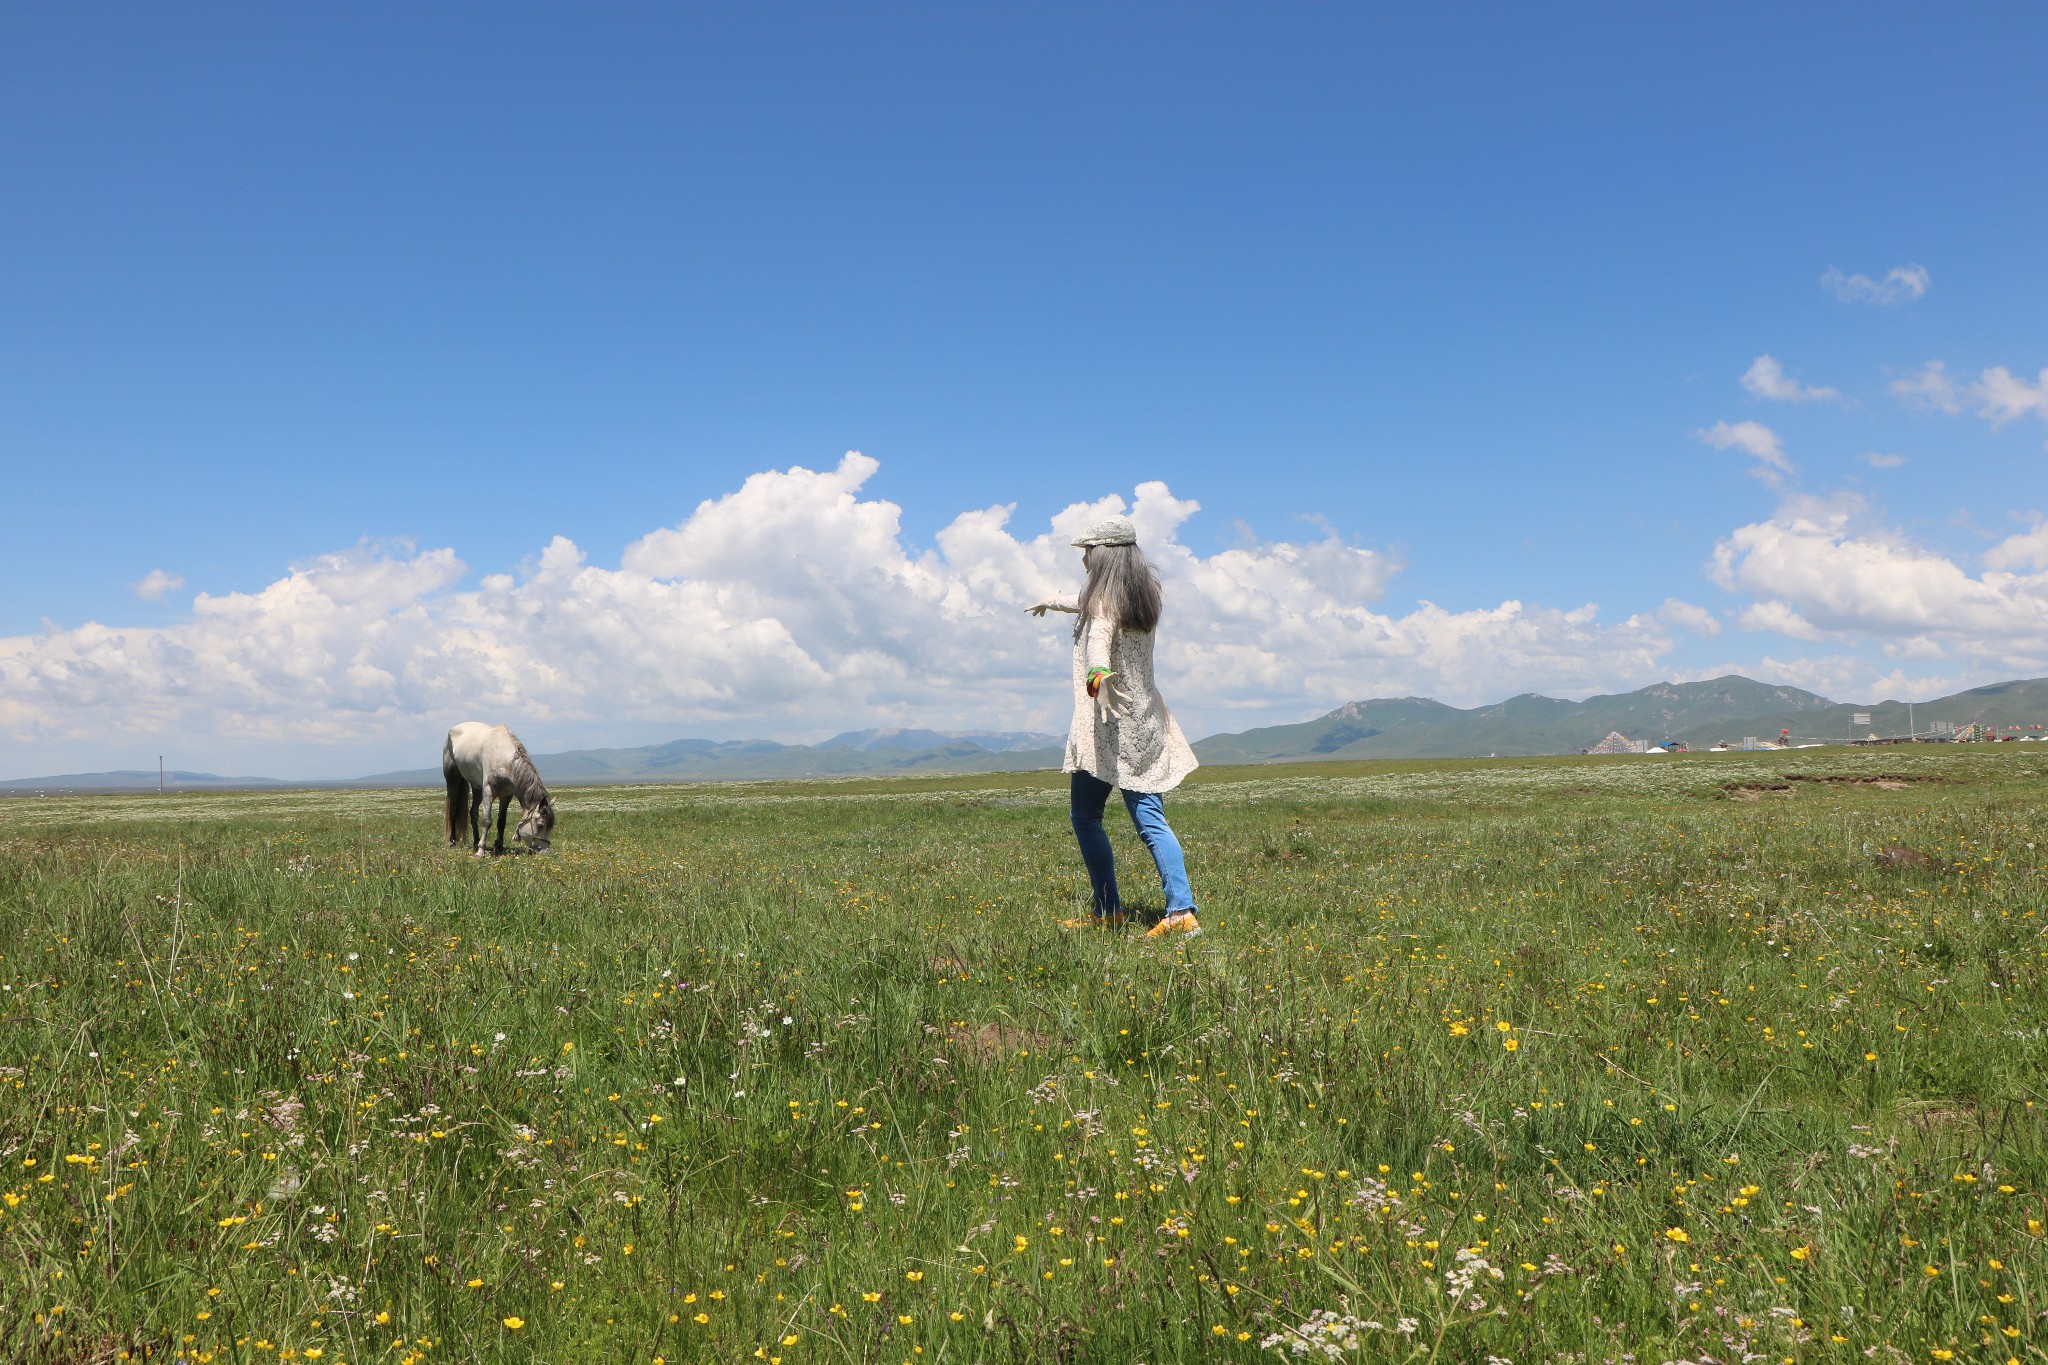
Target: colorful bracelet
column 1096, row 677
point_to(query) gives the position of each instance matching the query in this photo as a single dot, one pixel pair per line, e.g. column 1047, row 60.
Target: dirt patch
column 1902, row 856
column 1890, row 782
column 1754, row 791
column 985, row 1042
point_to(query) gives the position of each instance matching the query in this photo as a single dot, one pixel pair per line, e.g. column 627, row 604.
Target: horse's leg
column 504, row 809
column 479, row 817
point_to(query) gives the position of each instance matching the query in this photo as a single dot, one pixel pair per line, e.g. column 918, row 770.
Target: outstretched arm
column 1064, row 601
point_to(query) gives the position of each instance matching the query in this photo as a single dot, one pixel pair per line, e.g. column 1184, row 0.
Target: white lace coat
column 1143, row 749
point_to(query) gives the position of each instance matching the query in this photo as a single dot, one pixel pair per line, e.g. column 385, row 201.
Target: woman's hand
column 1043, row 607
column 1110, row 701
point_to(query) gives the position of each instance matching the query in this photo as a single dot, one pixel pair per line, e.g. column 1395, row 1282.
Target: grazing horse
column 486, row 763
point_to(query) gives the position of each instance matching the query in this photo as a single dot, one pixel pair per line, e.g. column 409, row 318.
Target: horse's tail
column 458, row 794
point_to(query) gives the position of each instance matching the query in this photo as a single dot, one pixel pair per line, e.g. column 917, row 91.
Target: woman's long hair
column 1121, row 588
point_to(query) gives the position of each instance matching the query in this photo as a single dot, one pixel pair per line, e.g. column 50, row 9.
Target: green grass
column 1534, row 1059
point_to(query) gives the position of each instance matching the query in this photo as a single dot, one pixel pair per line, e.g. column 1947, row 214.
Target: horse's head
column 536, row 823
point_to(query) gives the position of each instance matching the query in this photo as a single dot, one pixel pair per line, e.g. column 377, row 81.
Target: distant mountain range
column 992, row 741
column 1699, row 713
column 132, row 779
column 857, row 753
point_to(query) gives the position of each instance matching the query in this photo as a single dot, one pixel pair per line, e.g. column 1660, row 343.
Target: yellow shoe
column 1184, row 924
column 1116, row 921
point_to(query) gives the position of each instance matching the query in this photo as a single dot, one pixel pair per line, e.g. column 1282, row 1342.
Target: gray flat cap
column 1110, row 531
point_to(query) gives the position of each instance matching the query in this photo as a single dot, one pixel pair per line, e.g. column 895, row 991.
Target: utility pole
column 1909, row 718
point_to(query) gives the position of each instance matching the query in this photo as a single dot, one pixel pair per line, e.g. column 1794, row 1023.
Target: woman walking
column 1122, row 736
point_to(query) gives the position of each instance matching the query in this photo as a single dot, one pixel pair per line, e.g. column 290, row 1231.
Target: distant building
column 1618, row 743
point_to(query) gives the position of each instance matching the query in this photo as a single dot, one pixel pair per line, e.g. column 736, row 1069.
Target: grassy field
column 1622, row 1059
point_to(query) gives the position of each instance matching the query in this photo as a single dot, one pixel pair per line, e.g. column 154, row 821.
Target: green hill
column 701, row 760
column 1700, row 714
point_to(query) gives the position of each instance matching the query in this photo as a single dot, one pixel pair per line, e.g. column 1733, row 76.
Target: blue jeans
column 1089, row 794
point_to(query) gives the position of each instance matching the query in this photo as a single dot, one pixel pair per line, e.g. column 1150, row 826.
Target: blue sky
column 294, row 300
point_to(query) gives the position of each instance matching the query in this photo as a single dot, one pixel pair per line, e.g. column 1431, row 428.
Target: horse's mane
column 526, row 783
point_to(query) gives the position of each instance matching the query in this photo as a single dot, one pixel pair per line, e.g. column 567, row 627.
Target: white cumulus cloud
column 1828, row 567
column 1686, row 616
column 1900, row 284
column 1930, row 387
column 1755, row 440
column 1766, row 378
column 792, row 606
column 2003, row 395
column 2026, row 549
column 1878, row 460
column 1777, row 618
column 152, row 586
column 2006, row 395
